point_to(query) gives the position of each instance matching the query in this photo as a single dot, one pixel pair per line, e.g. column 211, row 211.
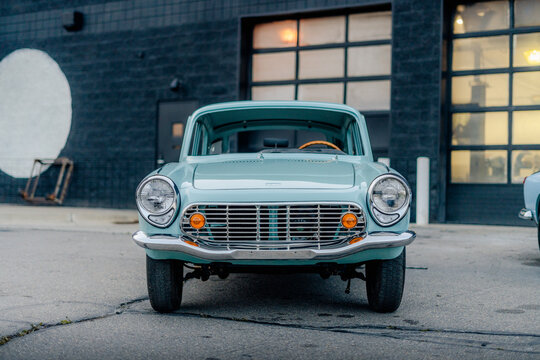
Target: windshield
column 276, row 135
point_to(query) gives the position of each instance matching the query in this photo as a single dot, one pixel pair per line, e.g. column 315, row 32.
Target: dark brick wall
column 115, row 92
column 416, row 88
column 485, row 204
column 10, row 7
column 120, row 65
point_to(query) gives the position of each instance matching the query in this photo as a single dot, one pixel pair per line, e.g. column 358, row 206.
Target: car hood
column 274, row 173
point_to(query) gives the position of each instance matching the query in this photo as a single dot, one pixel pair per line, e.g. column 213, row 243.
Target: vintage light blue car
column 531, row 195
column 275, row 186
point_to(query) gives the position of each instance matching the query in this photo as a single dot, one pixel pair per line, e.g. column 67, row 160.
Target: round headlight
column 389, row 196
column 157, row 200
column 156, row 196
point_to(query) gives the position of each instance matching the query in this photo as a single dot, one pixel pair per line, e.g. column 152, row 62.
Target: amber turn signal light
column 197, row 221
column 349, row 220
column 189, row 242
column 355, row 240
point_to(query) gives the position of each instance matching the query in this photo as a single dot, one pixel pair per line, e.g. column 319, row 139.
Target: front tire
column 384, row 283
column 165, row 281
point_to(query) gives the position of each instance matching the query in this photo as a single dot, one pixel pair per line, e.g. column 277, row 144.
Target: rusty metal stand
column 62, row 183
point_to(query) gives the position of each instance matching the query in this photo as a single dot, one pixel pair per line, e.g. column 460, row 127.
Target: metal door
column 172, row 117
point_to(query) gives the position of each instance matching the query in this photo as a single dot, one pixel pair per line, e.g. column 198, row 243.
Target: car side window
column 358, row 149
column 216, row 147
column 203, row 142
column 354, row 142
column 350, row 141
column 200, row 140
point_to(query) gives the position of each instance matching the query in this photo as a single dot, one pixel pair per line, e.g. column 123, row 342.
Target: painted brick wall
column 416, row 88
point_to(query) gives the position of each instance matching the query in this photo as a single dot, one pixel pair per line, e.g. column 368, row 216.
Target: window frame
column 509, row 109
column 248, row 25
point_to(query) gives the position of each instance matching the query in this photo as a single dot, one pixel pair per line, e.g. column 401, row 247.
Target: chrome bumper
column 525, row 214
column 372, row 241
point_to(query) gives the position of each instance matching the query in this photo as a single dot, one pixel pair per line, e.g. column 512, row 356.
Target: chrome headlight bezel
column 400, row 212
column 146, row 214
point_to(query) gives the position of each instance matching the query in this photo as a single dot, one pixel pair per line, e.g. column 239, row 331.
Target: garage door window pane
column 280, row 92
column 370, row 26
column 369, row 60
column 480, row 128
column 275, row 34
column 480, row 53
column 527, row 49
column 526, row 13
column 277, row 66
column 321, row 92
column 479, row 166
column 480, row 90
column 369, row 95
column 326, row 30
column 481, row 16
column 316, row 64
column 527, row 88
column 524, row 163
column 526, row 127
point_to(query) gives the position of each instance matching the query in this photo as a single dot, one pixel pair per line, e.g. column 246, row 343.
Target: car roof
column 292, row 104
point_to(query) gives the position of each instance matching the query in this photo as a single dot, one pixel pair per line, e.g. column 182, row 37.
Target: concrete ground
column 73, row 285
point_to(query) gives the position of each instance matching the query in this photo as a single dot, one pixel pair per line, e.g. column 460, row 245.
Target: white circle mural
column 35, row 110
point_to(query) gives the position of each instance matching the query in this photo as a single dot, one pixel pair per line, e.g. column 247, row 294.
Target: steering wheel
column 319, row 142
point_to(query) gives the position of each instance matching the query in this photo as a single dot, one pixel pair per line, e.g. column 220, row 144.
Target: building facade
column 109, row 85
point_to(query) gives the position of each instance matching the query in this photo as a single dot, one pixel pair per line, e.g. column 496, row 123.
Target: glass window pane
column 526, row 127
column 274, row 66
column 278, row 92
column 326, row 30
column 480, row 90
column 524, row 163
column 216, row 148
column 275, row 34
column 487, row 166
column 332, row 92
column 369, row 95
column 527, row 49
column 369, row 60
column 316, row 64
column 489, row 128
column 480, row 53
column 370, row 26
column 481, row 16
column 526, row 88
column 177, row 130
column 527, row 13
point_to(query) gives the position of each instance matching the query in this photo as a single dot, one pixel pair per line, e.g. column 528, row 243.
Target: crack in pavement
column 384, row 331
column 407, row 333
column 19, row 307
column 366, row 327
column 41, row 326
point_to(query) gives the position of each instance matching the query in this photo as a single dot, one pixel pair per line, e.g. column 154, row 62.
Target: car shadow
column 275, row 293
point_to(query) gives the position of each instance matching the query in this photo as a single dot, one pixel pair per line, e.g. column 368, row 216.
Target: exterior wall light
column 288, row 36
column 72, row 20
column 532, row 56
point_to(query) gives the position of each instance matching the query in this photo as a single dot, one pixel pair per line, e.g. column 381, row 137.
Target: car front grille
column 273, row 226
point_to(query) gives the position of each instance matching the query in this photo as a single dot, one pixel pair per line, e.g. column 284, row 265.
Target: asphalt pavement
column 73, row 286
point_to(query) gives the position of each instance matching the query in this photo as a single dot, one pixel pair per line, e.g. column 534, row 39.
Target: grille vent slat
column 273, row 226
